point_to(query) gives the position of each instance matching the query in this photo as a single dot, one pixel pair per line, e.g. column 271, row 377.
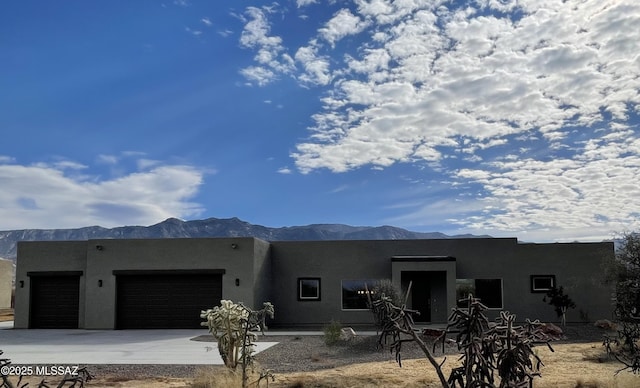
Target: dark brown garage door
column 55, row 301
column 165, row 301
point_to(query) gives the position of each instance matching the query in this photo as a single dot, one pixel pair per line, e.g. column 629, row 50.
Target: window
column 489, row 291
column 354, row 294
column 542, row 283
column 308, row 288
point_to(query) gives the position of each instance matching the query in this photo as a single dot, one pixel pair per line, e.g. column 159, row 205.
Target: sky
column 499, row 117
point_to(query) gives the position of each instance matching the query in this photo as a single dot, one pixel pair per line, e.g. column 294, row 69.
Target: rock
column 552, row 330
column 432, row 333
column 606, row 324
column 347, row 333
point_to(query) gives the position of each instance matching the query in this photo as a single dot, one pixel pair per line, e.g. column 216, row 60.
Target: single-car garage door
column 165, row 301
column 55, row 301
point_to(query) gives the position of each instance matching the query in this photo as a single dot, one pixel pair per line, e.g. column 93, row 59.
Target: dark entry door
column 165, row 301
column 420, row 293
column 55, row 302
column 421, row 300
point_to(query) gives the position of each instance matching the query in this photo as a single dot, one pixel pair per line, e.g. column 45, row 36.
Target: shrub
column 332, row 333
column 560, row 302
column 387, row 288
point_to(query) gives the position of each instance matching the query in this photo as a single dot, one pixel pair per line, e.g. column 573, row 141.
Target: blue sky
column 508, row 118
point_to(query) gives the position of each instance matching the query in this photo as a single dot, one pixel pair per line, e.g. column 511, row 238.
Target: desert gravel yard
column 306, row 361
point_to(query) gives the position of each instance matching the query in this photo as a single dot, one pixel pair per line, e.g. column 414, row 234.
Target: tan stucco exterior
column 6, row 279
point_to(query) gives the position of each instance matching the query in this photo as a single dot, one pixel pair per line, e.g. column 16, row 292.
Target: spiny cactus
column 490, row 347
column 235, row 326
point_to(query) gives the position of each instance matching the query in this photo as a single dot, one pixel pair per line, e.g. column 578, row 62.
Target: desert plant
column 397, row 328
column 83, row 376
column 234, row 326
column 561, row 302
column 332, row 333
column 387, row 288
column 382, row 288
column 494, row 348
column 624, row 271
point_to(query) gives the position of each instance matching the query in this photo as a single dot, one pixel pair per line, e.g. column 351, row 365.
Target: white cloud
column 45, row 196
column 316, row 68
column 193, row 32
column 285, row 170
column 592, row 194
column 258, row 75
column 511, row 90
column 207, row 22
column 304, row 3
column 431, row 74
column 225, row 33
column 270, row 53
column 107, row 159
column 342, row 24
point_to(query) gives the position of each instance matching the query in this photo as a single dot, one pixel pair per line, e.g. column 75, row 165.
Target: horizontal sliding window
column 354, row 293
column 489, row 291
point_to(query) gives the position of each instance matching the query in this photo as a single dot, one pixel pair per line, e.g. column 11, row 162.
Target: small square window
column 542, row 283
column 308, row 288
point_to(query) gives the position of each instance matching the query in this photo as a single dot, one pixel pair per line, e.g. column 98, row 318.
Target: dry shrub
column 620, row 381
column 596, row 354
column 217, row 377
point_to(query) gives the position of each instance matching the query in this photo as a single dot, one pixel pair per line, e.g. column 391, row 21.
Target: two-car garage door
column 165, row 300
column 145, row 300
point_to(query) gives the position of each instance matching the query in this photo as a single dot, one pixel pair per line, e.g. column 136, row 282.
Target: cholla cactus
column 234, row 327
column 225, row 324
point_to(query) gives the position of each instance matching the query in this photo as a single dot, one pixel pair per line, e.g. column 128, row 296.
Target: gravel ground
column 309, row 353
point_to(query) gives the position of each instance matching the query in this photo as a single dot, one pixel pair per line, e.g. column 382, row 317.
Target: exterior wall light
column 21, row 283
column 237, row 282
column 234, row 246
column 100, row 283
column 99, row 247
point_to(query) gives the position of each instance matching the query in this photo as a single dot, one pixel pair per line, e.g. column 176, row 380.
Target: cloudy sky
column 508, row 118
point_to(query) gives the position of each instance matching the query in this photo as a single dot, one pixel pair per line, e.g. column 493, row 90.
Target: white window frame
column 318, row 288
column 541, row 290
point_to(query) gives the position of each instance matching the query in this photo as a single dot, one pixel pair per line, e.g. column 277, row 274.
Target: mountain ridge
column 216, row 227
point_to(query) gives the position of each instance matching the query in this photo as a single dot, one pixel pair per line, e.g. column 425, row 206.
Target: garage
column 165, row 299
column 55, row 300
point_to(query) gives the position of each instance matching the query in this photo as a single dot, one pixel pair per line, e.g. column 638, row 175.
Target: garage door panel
column 55, row 302
column 165, row 301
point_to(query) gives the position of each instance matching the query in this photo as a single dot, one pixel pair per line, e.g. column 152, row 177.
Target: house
column 6, row 279
column 165, row 283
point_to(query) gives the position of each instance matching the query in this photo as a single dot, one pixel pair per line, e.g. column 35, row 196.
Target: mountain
column 214, row 227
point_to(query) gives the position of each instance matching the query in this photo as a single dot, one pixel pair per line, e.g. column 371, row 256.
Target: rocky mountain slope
column 214, row 227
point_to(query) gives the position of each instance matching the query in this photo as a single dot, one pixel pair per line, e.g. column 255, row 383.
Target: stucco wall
column 234, row 256
column 262, row 274
column 270, row 271
column 576, row 266
column 6, row 278
column 46, row 256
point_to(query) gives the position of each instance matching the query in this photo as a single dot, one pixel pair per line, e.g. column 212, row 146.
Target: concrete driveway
column 53, row 347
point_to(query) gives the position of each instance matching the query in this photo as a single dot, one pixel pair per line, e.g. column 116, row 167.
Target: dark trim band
column 54, row 273
column 132, row 272
column 396, row 259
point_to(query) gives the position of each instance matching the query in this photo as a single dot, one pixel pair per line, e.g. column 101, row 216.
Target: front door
column 420, row 297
